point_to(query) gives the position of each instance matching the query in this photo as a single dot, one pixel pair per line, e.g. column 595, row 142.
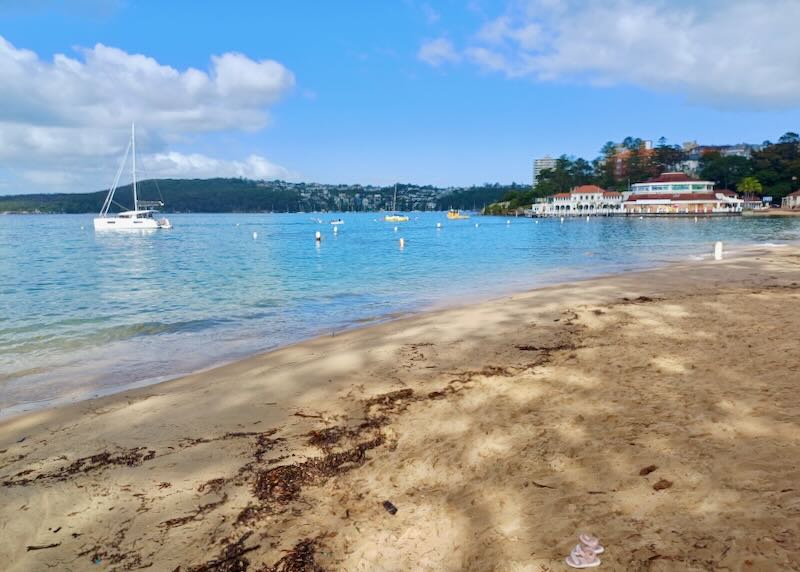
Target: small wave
column 55, row 342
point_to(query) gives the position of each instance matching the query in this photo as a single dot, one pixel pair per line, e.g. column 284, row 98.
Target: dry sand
column 659, row 410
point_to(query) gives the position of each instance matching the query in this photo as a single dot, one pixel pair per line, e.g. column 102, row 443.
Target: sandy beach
column 659, row 410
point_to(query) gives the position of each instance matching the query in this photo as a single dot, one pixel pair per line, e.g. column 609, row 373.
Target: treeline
column 477, row 197
column 243, row 195
column 775, row 167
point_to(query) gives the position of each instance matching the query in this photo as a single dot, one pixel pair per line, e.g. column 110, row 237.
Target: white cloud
column 65, row 121
column 743, row 54
column 182, row 166
column 437, row 52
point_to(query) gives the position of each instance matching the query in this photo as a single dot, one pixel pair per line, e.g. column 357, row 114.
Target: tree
column 667, row 157
column 748, row 187
column 726, row 171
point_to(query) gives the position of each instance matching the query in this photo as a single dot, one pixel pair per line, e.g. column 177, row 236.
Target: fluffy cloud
column 109, row 87
column 743, row 54
column 73, row 113
column 181, row 166
column 437, row 52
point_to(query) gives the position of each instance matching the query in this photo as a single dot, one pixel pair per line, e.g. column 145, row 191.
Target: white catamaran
column 141, row 217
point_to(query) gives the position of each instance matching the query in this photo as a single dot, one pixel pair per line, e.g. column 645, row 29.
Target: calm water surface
column 84, row 313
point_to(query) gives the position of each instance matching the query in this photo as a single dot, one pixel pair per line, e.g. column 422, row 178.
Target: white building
column 791, row 201
column 580, row 201
column 678, row 193
column 539, row 165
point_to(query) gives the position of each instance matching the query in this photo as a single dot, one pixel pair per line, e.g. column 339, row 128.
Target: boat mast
column 133, row 167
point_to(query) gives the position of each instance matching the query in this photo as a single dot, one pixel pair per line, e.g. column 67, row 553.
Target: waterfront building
column 679, row 193
column 667, row 194
column 580, row 201
column 539, row 165
column 791, row 201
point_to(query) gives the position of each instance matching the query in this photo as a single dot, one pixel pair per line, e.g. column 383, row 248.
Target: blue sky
column 446, row 93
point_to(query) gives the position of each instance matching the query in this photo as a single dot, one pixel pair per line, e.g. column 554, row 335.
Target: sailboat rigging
column 141, row 217
column 395, row 216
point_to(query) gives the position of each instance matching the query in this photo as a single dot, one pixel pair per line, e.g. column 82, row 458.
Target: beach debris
column 41, row 546
column 307, row 415
column 199, row 512
column 128, row 457
column 539, row 485
column 591, row 542
column 231, row 559
column 301, row 558
column 390, row 508
column 647, row 470
column 283, row 484
column 662, row 484
column 582, row 557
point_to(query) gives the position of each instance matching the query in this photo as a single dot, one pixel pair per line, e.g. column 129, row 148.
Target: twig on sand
column 42, row 546
column 301, row 414
column 541, row 486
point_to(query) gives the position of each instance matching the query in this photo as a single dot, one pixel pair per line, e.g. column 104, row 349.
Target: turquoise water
column 83, row 314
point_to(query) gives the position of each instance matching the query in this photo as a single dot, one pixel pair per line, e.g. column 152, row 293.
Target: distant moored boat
column 141, row 217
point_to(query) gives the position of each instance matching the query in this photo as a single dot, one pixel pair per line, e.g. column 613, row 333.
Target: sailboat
column 141, row 217
column 395, row 216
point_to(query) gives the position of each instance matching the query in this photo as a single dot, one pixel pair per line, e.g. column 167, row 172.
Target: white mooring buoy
column 402, row 243
column 718, row 250
column 395, row 229
column 476, row 225
column 438, row 225
column 695, row 219
column 562, row 220
column 508, row 221
column 318, row 236
column 255, row 235
column 335, row 229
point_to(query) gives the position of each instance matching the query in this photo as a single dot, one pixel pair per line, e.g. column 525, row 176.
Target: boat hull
column 115, row 223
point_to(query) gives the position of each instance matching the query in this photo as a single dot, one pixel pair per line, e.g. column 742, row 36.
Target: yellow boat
column 395, row 218
column 455, row 214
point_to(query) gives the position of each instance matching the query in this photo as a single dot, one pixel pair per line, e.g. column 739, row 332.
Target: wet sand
column 659, row 410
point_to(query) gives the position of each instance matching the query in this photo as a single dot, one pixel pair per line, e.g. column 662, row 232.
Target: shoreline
column 574, row 276
column 497, row 429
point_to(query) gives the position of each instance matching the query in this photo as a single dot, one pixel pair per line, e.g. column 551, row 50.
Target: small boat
column 395, row 216
column 455, row 214
column 141, row 217
column 337, row 221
